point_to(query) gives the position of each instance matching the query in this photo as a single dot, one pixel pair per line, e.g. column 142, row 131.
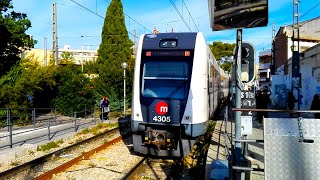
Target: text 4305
column 161, row 118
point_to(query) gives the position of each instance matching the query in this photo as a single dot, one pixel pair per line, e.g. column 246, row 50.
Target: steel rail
column 135, row 169
column 86, row 155
column 39, row 160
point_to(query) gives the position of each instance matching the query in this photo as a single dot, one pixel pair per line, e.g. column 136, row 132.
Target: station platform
column 217, row 161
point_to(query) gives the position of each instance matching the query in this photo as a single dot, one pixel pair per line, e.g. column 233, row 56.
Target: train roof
column 185, row 40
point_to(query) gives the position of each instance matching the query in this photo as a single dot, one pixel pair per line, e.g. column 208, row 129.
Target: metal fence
column 20, row 125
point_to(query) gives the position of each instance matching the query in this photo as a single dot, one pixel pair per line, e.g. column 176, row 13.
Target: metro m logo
column 162, row 108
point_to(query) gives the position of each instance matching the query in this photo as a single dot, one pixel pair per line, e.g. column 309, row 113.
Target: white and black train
column 177, row 87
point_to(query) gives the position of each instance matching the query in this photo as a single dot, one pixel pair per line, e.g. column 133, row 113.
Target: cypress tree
column 113, row 51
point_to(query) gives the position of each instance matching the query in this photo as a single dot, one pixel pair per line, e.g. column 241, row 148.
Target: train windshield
column 165, row 80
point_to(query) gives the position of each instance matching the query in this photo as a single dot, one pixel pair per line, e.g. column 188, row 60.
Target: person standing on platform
column 265, row 100
column 291, row 101
column 104, row 106
column 259, row 105
column 315, row 105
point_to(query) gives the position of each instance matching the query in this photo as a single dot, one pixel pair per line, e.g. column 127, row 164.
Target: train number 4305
column 161, row 118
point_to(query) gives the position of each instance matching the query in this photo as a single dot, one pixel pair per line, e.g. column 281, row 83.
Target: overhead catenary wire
column 190, row 15
column 70, row 37
column 315, row 6
column 103, row 17
column 134, row 20
column 86, row 8
column 182, row 18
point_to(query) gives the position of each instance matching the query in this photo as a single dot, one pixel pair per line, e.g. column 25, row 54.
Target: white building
column 264, row 72
column 79, row 55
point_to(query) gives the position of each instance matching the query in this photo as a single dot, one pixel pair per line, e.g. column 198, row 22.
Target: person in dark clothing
column 291, row 101
column 259, row 105
column 262, row 101
column 315, row 105
column 104, row 106
column 265, row 100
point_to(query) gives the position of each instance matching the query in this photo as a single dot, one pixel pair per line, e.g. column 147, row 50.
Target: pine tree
column 13, row 37
column 113, row 50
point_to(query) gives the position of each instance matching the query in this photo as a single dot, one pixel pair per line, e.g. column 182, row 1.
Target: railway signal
column 248, row 54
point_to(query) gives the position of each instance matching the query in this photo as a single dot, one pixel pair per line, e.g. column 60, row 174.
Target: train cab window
column 165, row 80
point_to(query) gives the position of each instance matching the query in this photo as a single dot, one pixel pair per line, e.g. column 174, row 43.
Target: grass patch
column 48, row 146
column 211, row 126
column 60, row 141
column 92, row 165
column 84, row 131
column 15, row 163
column 97, row 129
column 79, row 140
column 197, row 158
column 115, row 114
column 31, row 152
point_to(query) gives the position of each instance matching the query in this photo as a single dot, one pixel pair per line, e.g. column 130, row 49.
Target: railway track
column 112, row 162
column 35, row 167
column 114, row 159
column 149, row 168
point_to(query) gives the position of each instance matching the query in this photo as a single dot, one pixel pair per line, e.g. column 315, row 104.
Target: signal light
column 187, row 53
column 148, row 53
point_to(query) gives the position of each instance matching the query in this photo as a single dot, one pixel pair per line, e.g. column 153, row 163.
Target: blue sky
column 74, row 21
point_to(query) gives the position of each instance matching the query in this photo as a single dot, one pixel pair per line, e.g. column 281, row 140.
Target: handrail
column 275, row 110
column 226, row 135
column 39, row 119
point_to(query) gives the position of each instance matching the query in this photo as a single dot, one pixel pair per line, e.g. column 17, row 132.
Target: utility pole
column 82, row 53
column 296, row 76
column 55, row 34
column 273, row 66
column 45, row 52
column 135, row 41
column 238, row 83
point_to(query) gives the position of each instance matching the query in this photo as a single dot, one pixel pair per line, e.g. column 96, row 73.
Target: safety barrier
column 20, row 125
column 289, row 137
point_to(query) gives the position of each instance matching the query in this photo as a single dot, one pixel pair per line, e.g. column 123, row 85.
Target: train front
column 162, row 79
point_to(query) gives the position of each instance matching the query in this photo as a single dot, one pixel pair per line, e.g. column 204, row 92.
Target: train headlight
column 137, row 114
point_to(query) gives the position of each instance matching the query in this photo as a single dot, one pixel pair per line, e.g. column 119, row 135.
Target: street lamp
column 82, row 53
column 124, row 65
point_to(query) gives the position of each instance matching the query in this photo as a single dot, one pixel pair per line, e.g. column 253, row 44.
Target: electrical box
column 246, row 125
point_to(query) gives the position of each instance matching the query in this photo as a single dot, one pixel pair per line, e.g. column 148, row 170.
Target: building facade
column 309, row 35
column 310, row 80
column 309, row 54
column 264, row 72
column 79, row 56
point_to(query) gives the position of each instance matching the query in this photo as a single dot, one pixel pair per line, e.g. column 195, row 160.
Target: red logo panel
column 162, row 108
